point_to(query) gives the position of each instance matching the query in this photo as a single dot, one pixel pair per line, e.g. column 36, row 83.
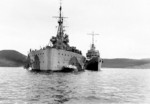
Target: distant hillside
column 126, row 63
column 11, row 58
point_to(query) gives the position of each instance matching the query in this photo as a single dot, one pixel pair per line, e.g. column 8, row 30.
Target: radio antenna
column 93, row 34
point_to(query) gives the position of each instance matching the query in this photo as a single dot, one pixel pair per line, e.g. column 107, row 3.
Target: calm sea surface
column 109, row 86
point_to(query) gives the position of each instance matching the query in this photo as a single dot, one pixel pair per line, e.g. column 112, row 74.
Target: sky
column 123, row 25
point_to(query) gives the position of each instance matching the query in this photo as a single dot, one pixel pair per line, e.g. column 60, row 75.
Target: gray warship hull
column 55, row 60
column 93, row 64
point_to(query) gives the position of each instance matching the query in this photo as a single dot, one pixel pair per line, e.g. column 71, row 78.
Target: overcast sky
column 123, row 25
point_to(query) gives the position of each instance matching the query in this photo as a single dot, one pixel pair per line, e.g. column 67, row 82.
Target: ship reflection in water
column 109, row 86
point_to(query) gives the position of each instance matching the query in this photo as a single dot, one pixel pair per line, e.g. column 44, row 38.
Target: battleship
column 93, row 59
column 59, row 56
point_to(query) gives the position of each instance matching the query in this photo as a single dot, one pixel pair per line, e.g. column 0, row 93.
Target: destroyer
column 93, row 61
column 59, row 56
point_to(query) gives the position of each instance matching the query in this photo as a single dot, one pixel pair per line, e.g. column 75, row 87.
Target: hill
column 126, row 63
column 11, row 58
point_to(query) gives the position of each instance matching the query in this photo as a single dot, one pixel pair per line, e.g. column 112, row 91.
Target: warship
column 93, row 59
column 59, row 56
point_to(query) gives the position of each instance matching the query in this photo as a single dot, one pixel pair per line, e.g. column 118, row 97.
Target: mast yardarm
column 93, row 46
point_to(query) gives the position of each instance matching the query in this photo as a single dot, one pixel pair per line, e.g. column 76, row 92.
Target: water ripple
column 110, row 86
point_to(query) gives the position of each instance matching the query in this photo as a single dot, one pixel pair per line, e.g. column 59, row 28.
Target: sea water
column 108, row 86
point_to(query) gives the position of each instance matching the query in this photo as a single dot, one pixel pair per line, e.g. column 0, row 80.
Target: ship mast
column 60, row 31
column 93, row 46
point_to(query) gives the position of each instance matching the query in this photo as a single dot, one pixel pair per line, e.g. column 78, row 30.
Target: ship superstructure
column 60, row 55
